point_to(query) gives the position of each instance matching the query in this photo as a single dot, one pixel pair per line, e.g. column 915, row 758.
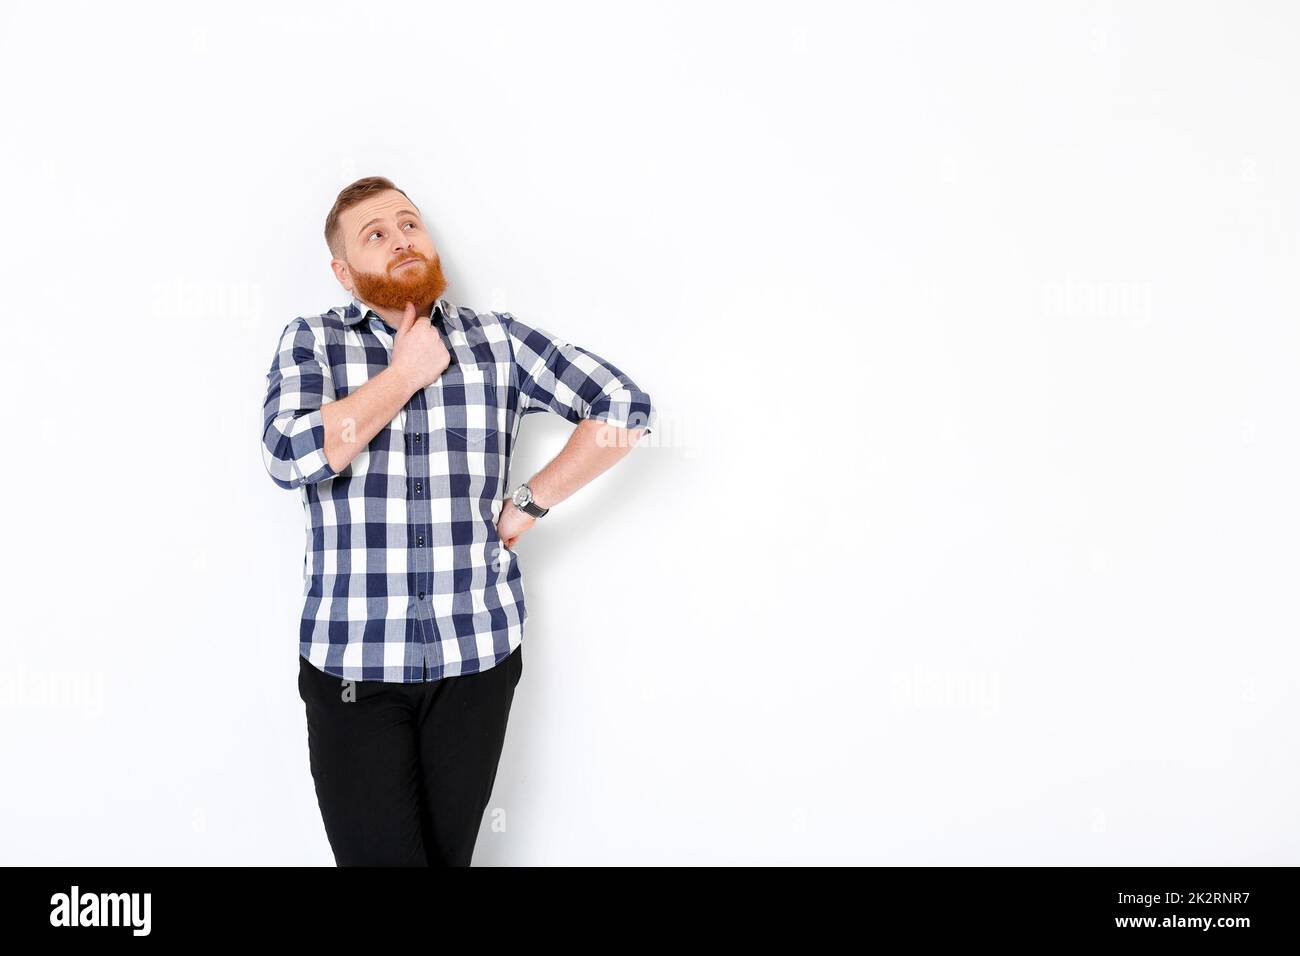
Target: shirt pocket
column 469, row 401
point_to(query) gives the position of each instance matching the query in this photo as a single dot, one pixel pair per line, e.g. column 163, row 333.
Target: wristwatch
column 523, row 499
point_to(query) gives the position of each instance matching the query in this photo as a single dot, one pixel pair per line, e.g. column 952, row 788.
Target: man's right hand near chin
column 419, row 355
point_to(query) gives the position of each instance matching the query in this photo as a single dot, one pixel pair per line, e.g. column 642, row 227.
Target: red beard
column 421, row 284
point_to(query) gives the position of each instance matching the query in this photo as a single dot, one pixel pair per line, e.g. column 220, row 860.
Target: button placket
column 419, row 517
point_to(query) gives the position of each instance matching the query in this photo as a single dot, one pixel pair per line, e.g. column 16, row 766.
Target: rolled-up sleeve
column 573, row 382
column 293, row 432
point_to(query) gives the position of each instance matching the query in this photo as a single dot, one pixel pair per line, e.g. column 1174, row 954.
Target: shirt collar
column 358, row 310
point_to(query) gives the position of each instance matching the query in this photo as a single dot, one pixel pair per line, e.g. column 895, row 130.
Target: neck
column 394, row 316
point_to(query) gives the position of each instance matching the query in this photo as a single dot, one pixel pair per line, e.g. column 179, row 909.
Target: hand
column 419, row 354
column 513, row 523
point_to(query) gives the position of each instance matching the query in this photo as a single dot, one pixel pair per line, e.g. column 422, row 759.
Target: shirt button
column 417, row 439
column 420, row 541
column 417, row 486
column 421, row 595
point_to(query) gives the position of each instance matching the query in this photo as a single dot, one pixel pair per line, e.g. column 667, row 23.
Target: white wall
column 969, row 532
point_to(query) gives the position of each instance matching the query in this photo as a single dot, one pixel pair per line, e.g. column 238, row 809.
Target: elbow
column 280, row 465
column 625, row 408
column 294, row 455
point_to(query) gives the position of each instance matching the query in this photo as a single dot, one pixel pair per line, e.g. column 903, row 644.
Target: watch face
column 522, row 496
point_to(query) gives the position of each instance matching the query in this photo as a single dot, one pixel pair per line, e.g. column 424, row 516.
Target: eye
column 373, row 234
column 411, row 223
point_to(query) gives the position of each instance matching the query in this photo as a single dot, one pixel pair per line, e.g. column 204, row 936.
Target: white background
column 969, row 532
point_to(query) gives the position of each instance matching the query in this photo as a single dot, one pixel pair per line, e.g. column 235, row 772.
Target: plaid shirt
column 405, row 578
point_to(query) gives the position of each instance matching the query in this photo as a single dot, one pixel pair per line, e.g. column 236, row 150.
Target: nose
column 402, row 251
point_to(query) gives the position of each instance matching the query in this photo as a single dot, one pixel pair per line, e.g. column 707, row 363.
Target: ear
column 342, row 273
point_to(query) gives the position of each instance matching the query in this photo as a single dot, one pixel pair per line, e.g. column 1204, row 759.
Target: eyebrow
column 400, row 212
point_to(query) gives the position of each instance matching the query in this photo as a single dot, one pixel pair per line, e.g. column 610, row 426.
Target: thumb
column 408, row 319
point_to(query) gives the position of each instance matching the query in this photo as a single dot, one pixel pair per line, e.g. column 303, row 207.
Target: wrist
column 524, row 500
column 404, row 379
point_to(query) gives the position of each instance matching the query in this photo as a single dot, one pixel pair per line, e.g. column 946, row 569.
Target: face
column 390, row 255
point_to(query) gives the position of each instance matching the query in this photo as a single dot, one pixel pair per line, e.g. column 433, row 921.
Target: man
column 395, row 416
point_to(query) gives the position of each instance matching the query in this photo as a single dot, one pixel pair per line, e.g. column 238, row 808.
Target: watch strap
column 533, row 509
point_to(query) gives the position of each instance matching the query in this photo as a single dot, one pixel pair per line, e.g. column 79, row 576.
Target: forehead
column 384, row 205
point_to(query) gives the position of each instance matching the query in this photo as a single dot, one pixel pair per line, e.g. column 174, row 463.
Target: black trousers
column 404, row 772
